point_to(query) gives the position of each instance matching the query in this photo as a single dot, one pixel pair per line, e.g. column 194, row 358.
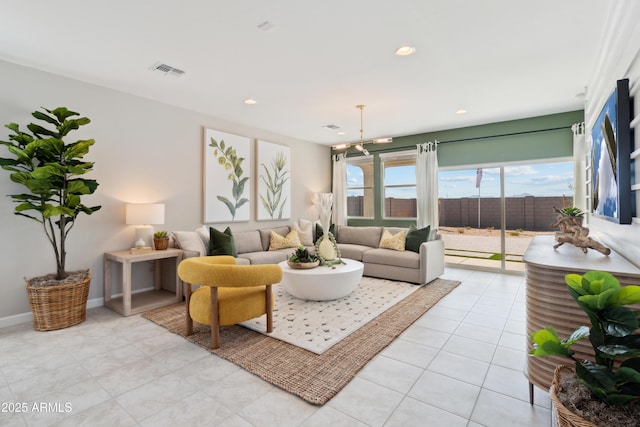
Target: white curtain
column 340, row 189
column 427, row 185
column 580, row 154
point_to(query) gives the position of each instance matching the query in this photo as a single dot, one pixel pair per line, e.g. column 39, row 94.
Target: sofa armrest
column 431, row 260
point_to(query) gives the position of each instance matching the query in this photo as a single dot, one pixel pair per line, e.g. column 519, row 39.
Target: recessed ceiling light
column 405, row 50
column 461, row 112
column 250, row 101
column 340, row 133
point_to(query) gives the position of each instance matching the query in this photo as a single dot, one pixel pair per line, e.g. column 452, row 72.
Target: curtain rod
column 384, row 150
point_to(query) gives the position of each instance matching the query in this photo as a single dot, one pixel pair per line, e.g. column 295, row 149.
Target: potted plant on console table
column 51, row 171
column 607, row 389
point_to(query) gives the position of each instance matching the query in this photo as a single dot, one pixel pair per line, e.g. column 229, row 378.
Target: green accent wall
column 536, row 138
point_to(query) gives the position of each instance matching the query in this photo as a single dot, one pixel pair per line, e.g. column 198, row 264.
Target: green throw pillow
column 222, row 243
column 320, row 231
column 415, row 237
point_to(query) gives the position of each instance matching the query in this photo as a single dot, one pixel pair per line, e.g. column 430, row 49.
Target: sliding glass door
column 489, row 215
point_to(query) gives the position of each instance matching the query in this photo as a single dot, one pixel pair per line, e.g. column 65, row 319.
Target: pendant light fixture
column 360, row 146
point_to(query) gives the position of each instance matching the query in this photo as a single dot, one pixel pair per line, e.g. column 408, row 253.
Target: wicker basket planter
column 564, row 417
column 160, row 243
column 59, row 306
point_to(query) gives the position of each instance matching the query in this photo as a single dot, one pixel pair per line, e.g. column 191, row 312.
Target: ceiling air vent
column 167, row 70
column 331, row 127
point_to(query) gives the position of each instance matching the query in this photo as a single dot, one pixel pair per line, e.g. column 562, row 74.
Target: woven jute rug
column 316, row 378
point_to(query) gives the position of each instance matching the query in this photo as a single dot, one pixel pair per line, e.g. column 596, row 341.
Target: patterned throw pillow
column 291, row 240
column 393, row 241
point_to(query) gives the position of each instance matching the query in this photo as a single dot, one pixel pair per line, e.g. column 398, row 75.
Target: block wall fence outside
column 526, row 213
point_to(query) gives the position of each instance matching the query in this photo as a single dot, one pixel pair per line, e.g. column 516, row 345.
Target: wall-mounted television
column 610, row 158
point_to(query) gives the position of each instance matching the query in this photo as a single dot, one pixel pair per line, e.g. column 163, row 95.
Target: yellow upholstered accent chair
column 229, row 293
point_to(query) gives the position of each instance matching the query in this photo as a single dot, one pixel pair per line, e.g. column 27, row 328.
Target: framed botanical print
column 274, row 181
column 227, row 177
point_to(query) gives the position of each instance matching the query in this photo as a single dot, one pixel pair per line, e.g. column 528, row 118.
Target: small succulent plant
column 160, row 234
column 571, row 211
column 302, row 255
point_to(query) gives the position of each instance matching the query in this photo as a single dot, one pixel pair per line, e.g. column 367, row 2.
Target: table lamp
column 143, row 215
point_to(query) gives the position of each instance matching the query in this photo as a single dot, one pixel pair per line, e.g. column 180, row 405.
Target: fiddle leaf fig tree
column 613, row 335
column 51, row 170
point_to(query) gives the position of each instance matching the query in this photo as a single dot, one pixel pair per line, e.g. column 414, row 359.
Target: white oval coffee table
column 322, row 283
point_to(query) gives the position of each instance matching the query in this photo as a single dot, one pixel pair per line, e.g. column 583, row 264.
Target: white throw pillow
column 189, row 241
column 203, row 233
column 305, row 231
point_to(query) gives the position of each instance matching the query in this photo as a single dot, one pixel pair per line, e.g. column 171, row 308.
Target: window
column 399, row 181
column 360, row 187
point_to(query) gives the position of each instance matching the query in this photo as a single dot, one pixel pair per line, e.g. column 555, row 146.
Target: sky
column 548, row 179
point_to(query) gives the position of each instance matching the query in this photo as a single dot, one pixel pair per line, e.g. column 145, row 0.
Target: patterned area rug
column 318, row 325
column 315, row 378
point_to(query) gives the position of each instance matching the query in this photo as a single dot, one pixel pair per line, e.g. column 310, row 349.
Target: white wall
column 145, row 151
column 619, row 58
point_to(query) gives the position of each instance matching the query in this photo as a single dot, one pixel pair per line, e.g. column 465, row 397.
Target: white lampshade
column 143, row 215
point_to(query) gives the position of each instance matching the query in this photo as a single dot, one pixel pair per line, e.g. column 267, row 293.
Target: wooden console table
column 550, row 304
column 129, row 303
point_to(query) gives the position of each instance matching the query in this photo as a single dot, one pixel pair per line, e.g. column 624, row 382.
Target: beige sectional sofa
column 359, row 243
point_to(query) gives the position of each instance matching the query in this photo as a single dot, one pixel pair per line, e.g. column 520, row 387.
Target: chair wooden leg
column 187, row 298
column 269, row 298
column 215, row 325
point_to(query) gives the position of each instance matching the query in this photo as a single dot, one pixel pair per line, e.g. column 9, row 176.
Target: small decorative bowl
column 303, row 265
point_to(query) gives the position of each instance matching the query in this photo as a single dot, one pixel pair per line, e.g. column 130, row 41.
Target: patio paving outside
column 481, row 247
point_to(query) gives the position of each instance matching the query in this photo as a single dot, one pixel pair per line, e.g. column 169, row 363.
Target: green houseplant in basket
column 613, row 377
column 51, row 170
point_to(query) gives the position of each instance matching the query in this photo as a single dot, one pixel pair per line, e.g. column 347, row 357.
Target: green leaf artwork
column 229, row 160
column 274, row 177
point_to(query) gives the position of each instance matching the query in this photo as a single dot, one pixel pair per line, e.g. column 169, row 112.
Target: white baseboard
column 16, row 319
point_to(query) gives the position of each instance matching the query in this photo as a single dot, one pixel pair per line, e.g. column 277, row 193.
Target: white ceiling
column 497, row 59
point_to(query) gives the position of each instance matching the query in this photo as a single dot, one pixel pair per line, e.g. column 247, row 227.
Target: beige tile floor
column 459, row 365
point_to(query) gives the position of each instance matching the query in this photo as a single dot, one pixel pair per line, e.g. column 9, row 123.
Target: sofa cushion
column 415, row 237
column 242, row 261
column 406, row 259
column 247, row 241
column 265, row 235
column 291, row 240
column 393, row 241
column 265, row 257
column 350, row 251
column 221, row 242
column 365, row 236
